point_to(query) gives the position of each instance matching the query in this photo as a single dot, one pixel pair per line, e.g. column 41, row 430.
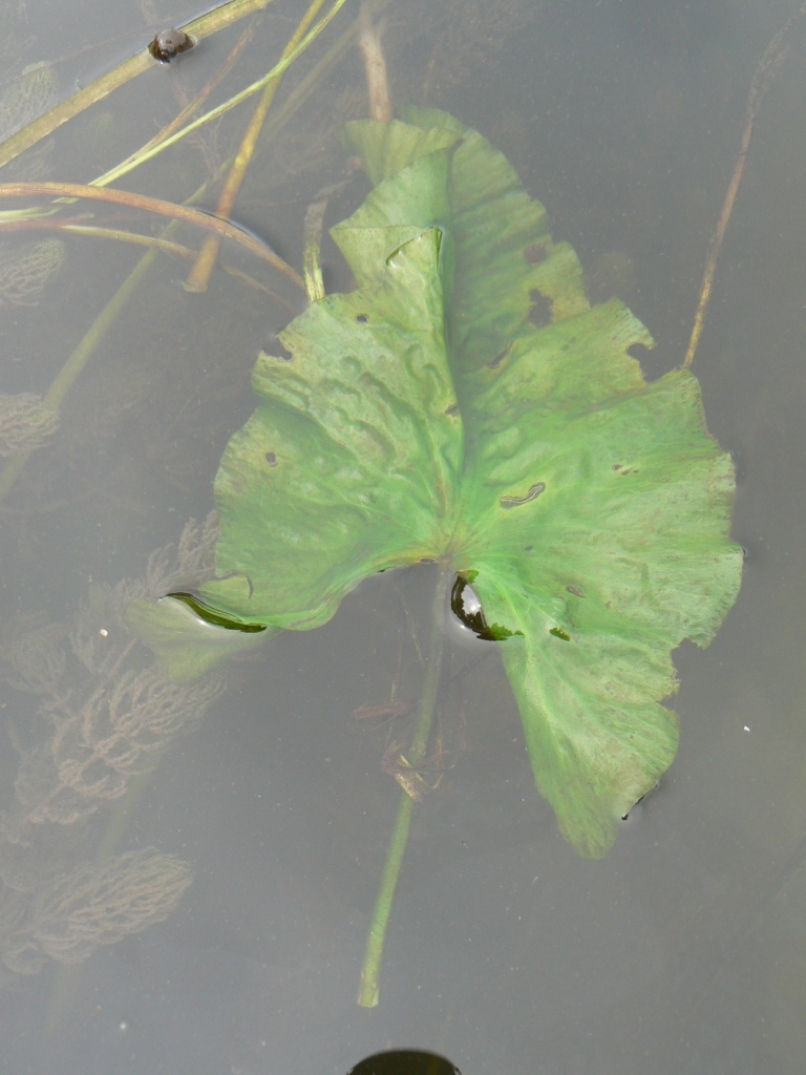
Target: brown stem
column 158, row 206
column 369, row 41
column 199, row 276
column 187, row 112
column 772, row 59
column 96, row 91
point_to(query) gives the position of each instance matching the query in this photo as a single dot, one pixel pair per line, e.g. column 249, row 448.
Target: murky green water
column 683, row 950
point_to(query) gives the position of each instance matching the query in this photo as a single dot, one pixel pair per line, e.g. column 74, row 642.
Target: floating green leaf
column 465, row 404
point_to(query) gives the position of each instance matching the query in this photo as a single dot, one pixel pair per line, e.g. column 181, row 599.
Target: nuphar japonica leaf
column 428, row 415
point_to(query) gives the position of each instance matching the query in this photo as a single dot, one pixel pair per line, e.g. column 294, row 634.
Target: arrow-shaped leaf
column 465, row 404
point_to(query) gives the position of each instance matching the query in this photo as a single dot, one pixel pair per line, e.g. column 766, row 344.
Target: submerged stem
column 199, row 276
column 373, row 954
column 185, row 116
column 772, row 59
column 40, row 128
column 279, row 69
column 369, row 41
column 77, row 361
column 72, row 191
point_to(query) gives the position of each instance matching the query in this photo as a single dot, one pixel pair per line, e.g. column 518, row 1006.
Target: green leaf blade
column 350, row 462
column 465, row 404
column 596, row 745
column 622, row 554
column 501, row 252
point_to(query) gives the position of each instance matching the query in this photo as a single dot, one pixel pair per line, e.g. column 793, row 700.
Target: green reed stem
column 275, row 74
column 199, row 277
column 31, row 134
column 373, row 954
column 46, row 124
column 78, row 359
column 66, row 377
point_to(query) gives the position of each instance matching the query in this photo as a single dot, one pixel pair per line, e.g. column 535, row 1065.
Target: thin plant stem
column 302, row 91
column 199, row 276
column 167, row 246
column 373, row 954
column 66, row 377
column 773, row 57
column 77, row 361
column 12, row 222
column 368, row 990
column 121, row 236
column 311, row 265
column 48, row 122
column 312, row 241
column 158, row 206
column 369, row 41
column 277, row 121
column 71, row 370
column 190, row 109
column 280, row 68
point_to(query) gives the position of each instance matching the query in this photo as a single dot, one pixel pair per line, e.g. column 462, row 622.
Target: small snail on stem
column 169, row 43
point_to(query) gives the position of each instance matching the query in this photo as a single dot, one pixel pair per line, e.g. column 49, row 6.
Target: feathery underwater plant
column 107, row 715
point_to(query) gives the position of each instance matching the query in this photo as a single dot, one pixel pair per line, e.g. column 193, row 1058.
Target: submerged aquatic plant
column 108, row 711
column 93, row 904
column 107, row 714
column 25, row 269
column 26, row 423
column 26, row 98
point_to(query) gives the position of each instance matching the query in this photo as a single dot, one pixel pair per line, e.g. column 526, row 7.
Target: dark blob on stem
column 169, row 43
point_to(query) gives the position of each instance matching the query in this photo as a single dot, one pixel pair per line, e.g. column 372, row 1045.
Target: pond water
column 683, row 950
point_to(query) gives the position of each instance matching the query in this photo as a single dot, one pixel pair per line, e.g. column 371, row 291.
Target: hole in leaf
column 540, row 313
column 276, row 349
column 271, row 459
column 362, row 319
column 452, row 411
column 638, row 351
column 558, row 632
column 535, row 253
